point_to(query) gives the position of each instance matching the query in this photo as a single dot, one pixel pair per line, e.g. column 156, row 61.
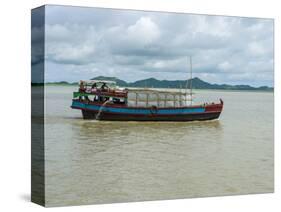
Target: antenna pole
column 186, row 90
column 190, row 84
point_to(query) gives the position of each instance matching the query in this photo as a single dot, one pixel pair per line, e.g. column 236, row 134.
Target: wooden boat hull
column 123, row 113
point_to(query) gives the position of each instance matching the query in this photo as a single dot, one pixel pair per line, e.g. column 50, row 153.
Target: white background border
column 15, row 103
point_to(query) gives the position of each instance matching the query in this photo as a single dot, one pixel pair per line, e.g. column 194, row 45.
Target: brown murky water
column 102, row 162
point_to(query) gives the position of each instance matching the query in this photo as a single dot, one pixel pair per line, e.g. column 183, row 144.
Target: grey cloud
column 133, row 45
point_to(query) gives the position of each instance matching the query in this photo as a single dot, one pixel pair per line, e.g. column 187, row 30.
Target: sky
column 82, row 43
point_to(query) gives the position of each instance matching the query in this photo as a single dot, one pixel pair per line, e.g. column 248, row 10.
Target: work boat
column 103, row 100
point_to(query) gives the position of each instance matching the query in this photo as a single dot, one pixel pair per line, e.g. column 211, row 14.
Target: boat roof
column 155, row 91
column 90, row 82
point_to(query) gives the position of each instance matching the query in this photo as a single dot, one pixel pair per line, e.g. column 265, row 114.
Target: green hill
column 196, row 84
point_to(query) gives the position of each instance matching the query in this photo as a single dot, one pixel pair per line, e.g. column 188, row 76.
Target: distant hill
column 196, row 84
column 155, row 83
column 59, row 83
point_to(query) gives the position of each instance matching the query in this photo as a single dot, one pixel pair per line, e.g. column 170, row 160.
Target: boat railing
column 108, row 92
column 148, row 98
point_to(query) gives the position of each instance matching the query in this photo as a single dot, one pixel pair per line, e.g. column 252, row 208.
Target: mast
column 190, row 85
column 190, row 81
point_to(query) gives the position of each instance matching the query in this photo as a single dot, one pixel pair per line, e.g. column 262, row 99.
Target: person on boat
column 87, row 98
column 82, row 88
column 94, row 87
column 104, row 87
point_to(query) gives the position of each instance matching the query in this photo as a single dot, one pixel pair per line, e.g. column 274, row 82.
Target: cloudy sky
column 82, row 43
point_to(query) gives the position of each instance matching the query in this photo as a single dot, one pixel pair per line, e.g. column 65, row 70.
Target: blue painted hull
column 124, row 113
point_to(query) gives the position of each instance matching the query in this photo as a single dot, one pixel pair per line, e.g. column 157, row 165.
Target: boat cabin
column 99, row 91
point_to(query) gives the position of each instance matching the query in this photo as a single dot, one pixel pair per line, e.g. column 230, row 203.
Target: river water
column 90, row 162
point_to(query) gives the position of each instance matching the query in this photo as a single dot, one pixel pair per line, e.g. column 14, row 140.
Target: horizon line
column 61, row 81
